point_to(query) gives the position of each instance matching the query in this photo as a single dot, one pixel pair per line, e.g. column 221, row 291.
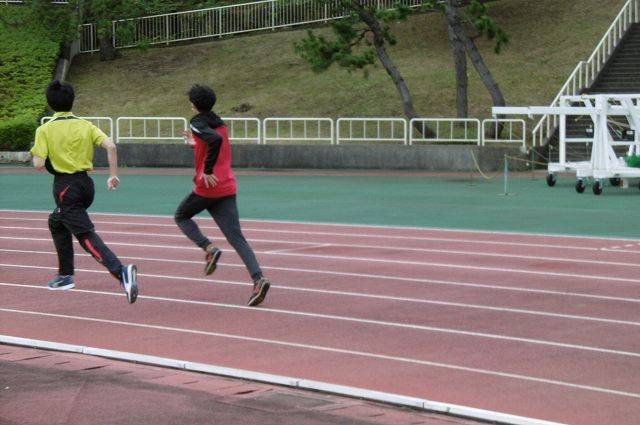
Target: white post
column 562, row 135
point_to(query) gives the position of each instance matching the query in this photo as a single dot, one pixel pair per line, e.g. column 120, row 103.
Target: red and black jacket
column 212, row 155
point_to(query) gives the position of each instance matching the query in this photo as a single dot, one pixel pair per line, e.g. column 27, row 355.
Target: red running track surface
column 546, row 327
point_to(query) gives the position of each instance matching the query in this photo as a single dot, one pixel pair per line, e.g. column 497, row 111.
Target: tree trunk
column 475, row 56
column 390, row 67
column 107, row 51
column 462, row 79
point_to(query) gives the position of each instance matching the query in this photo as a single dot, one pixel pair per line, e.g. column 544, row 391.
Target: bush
column 17, row 133
column 28, row 56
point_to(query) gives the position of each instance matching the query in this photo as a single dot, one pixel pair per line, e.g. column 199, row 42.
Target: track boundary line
column 305, row 384
column 375, row 226
column 359, row 320
column 334, row 350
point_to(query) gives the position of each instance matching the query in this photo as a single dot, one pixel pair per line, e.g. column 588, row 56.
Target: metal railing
column 244, row 130
column 222, row 20
column 292, row 130
column 296, row 130
column 504, row 130
column 103, row 123
column 154, row 129
column 390, row 130
column 587, row 71
column 445, row 130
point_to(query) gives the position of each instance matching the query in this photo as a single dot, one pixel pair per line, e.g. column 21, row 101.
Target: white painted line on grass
column 356, row 320
column 308, row 384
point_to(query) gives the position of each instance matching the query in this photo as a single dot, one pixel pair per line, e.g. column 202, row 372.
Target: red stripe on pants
column 93, row 250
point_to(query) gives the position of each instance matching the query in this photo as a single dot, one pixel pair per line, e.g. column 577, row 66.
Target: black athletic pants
column 73, row 194
column 225, row 213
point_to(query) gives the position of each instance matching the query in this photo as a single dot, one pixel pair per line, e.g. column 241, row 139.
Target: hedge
column 27, row 61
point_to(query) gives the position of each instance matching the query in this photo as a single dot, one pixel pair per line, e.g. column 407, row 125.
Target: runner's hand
column 113, row 182
column 209, row 180
column 188, row 138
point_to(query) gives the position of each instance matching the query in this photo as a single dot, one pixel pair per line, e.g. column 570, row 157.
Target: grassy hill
column 548, row 38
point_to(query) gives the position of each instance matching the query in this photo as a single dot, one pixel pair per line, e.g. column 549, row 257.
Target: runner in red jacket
column 215, row 190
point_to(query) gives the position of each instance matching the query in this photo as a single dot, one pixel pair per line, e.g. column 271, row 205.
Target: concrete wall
column 386, row 157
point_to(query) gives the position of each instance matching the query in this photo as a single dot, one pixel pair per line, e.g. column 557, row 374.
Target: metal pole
column 506, row 174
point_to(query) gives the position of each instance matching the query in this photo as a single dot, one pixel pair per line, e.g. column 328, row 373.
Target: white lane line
column 365, row 226
column 357, row 235
column 390, row 298
column 383, row 277
column 376, row 247
column 378, row 260
column 302, row 248
column 388, row 278
column 385, row 397
column 398, row 325
column 333, row 350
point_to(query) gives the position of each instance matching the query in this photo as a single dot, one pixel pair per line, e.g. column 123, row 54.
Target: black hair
column 202, row 97
column 60, row 96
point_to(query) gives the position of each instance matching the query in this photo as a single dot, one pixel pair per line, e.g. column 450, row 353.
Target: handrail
column 586, row 72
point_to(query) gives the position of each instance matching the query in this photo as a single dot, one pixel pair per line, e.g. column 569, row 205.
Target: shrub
column 16, row 134
column 28, row 56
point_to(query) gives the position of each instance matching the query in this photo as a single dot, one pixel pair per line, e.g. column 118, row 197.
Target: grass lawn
column 548, row 38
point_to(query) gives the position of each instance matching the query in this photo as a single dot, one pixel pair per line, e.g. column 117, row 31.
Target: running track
column 538, row 326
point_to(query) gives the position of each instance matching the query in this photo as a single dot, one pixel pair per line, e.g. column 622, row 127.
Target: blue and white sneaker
column 61, row 283
column 129, row 282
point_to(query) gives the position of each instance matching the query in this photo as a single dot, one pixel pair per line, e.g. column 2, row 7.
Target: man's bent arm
column 38, row 163
column 112, row 157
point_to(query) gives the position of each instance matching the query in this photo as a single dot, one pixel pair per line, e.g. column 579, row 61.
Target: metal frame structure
column 242, row 130
column 469, row 127
column 604, row 162
column 297, row 129
column 148, row 128
column 363, row 132
column 514, row 135
column 587, row 71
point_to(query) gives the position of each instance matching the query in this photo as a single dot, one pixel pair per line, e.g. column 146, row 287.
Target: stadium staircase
column 621, row 74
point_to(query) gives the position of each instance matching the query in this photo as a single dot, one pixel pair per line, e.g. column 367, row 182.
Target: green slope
column 548, row 38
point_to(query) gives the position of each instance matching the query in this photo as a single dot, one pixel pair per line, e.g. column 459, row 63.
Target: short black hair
column 202, row 97
column 60, row 96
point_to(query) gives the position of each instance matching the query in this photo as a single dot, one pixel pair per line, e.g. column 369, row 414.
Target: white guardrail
column 291, row 130
column 222, row 20
column 391, row 130
column 504, row 131
column 445, row 130
column 586, row 72
column 103, row 123
column 295, row 130
column 154, row 129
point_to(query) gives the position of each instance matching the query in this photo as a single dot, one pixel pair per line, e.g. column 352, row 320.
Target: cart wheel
column 615, row 181
column 551, row 180
column 580, row 186
column 597, row 187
